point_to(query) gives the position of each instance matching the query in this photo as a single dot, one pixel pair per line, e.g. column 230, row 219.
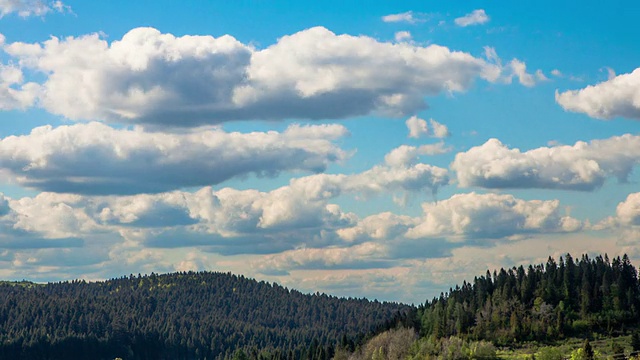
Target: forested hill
column 548, row 301
column 180, row 316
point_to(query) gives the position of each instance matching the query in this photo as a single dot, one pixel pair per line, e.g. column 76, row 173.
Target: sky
column 387, row 150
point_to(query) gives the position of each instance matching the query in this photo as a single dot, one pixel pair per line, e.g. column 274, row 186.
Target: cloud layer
column 94, row 158
column 158, row 79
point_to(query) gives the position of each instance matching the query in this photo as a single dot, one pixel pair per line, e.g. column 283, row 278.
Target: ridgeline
column 181, row 316
column 542, row 302
column 209, row 315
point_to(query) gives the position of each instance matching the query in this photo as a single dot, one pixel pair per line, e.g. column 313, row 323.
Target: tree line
column 538, row 303
column 185, row 315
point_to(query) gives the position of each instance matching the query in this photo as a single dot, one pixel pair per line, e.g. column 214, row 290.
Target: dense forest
column 181, row 316
column 223, row 316
column 542, row 302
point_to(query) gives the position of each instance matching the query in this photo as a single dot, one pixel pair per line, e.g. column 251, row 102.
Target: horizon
column 385, row 151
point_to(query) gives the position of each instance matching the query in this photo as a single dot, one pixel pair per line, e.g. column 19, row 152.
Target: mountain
column 186, row 315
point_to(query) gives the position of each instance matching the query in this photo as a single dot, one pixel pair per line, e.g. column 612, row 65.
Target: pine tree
column 635, row 341
column 588, row 350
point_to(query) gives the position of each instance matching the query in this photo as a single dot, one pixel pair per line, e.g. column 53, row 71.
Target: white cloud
column 294, row 227
column 418, row 128
column 556, row 73
column 212, row 217
column 492, row 216
column 25, row 8
column 476, row 17
column 415, row 178
column 439, row 130
column 626, row 222
column 457, row 225
column 583, row 166
column 158, row 79
column 617, row 97
column 519, row 69
column 366, row 255
column 14, row 92
column 402, row 36
column 94, row 158
column 406, row 155
column 146, row 74
column 515, row 68
column 381, row 227
column 40, row 223
column 491, row 55
column 628, row 211
column 540, row 76
column 408, row 17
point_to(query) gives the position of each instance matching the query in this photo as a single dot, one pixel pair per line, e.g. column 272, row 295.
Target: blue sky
column 387, row 150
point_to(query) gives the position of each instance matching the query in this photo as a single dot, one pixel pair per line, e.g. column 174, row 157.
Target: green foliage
column 240, row 355
column 481, row 350
column 544, row 302
column 549, row 353
column 587, row 350
column 635, row 341
column 582, row 354
column 451, row 348
column 391, row 344
column 182, row 316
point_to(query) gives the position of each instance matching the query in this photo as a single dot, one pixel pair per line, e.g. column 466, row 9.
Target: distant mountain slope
column 543, row 302
column 180, row 316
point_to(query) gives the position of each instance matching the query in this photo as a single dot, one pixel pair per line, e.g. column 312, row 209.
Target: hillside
column 542, row 302
column 578, row 309
column 180, row 316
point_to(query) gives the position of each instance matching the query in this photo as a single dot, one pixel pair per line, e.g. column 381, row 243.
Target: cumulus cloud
column 408, row 17
column 217, row 217
column 14, row 92
column 583, row 166
column 367, row 256
column 284, row 232
column 472, row 215
column 439, row 130
column 476, row 17
column 94, row 158
column 406, row 178
column 617, row 97
column 26, row 8
column 418, row 128
column 386, row 240
column 406, row 155
column 381, row 227
column 402, row 36
column 37, row 223
column 625, row 223
column 514, row 68
column 628, row 211
column 158, row 79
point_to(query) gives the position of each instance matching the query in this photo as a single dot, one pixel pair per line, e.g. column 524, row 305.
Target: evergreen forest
column 189, row 315
column 208, row 315
column 539, row 303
